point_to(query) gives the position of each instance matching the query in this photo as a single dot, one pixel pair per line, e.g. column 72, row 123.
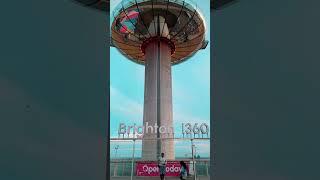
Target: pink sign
column 152, row 169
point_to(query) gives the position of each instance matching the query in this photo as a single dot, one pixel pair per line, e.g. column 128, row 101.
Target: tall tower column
column 158, row 101
column 158, row 93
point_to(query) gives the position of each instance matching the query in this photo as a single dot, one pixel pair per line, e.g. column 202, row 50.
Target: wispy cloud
column 201, row 71
column 185, row 117
column 121, row 103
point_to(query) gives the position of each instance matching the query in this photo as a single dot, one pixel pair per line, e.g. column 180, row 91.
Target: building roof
column 104, row 5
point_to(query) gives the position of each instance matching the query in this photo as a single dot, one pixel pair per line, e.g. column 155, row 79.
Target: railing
column 126, row 153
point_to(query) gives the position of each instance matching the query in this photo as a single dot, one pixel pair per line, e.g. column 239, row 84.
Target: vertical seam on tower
column 158, row 92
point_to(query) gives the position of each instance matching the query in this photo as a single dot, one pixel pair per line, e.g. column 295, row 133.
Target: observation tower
column 157, row 34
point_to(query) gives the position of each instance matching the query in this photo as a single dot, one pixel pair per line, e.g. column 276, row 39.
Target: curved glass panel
column 137, row 21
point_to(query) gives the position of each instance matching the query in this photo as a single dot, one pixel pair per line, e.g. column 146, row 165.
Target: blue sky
column 190, row 86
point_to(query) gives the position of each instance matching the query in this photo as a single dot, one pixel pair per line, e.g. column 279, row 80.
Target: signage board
column 145, row 168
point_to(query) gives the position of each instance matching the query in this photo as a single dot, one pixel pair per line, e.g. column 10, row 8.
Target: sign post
column 116, row 165
column 193, row 161
column 134, row 143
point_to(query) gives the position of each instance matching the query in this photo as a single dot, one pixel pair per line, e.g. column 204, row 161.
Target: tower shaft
column 158, row 101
